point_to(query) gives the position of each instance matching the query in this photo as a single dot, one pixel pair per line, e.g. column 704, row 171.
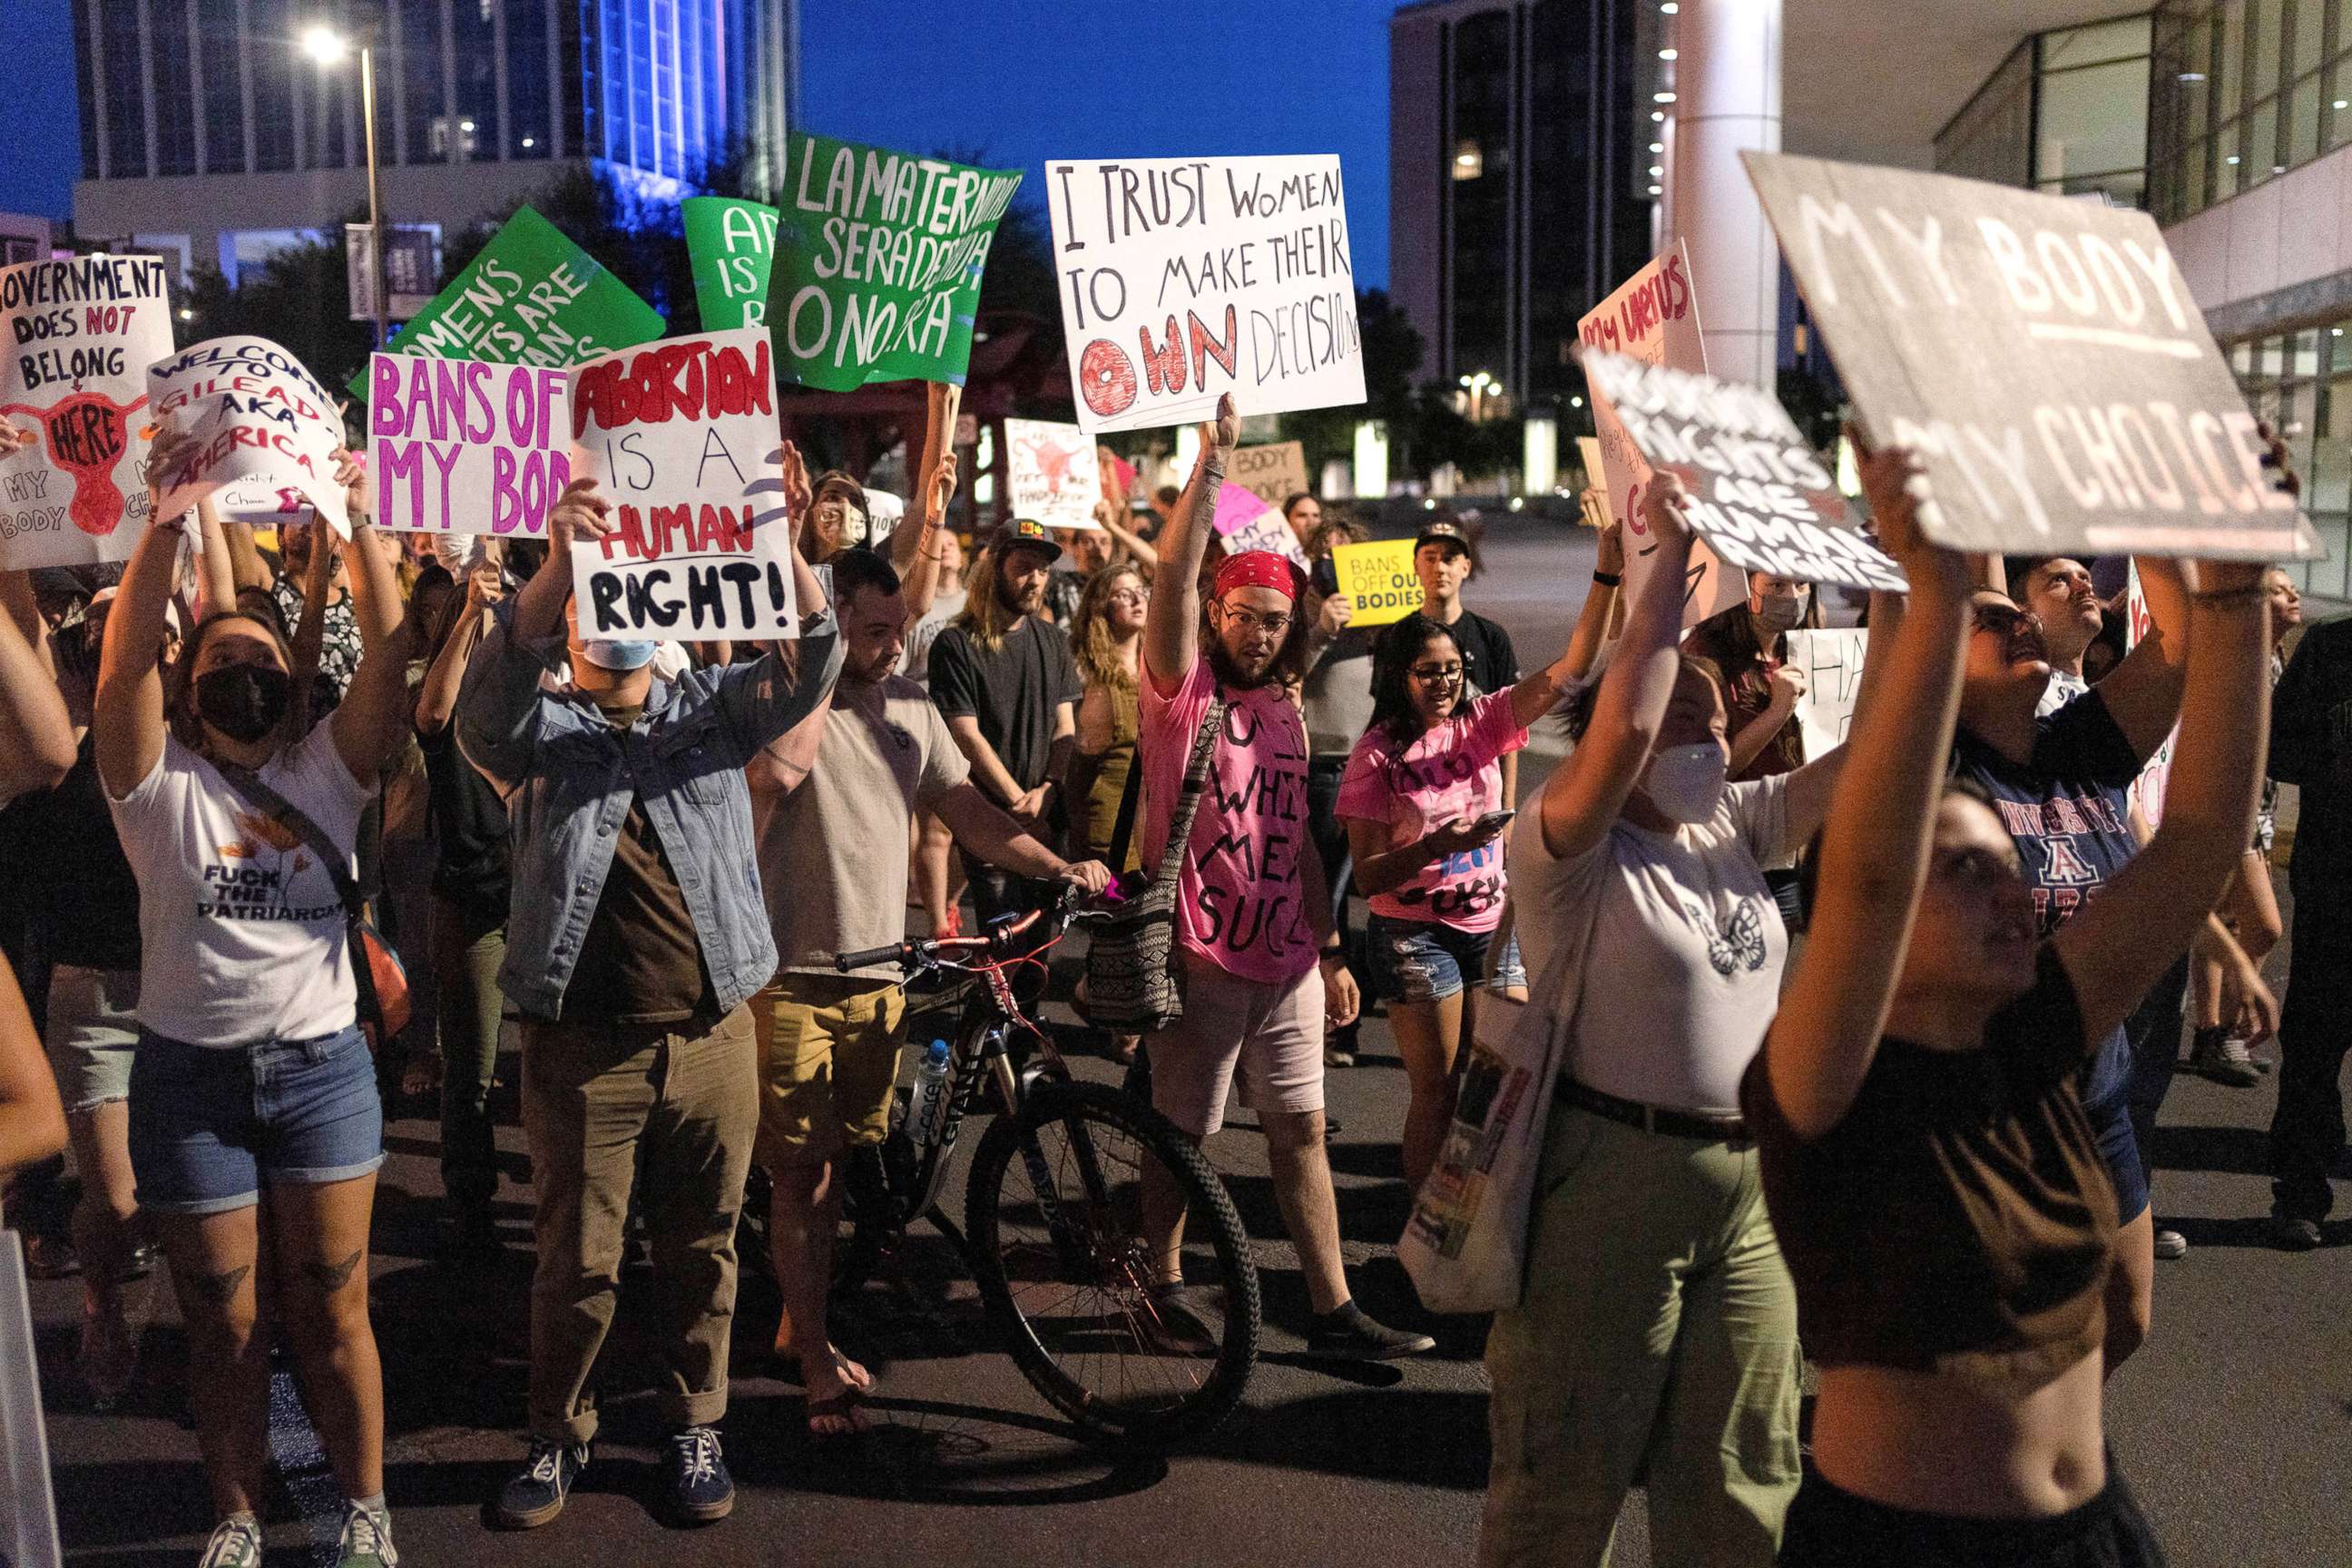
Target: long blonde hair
column 1090, row 635
column 986, row 617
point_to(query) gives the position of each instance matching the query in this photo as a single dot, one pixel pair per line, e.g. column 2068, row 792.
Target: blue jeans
column 1423, row 961
column 210, row 1126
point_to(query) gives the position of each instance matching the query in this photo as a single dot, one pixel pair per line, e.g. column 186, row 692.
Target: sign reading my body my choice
column 1184, row 279
column 2043, row 355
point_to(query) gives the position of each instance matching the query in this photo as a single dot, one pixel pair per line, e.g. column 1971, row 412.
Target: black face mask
column 242, row 701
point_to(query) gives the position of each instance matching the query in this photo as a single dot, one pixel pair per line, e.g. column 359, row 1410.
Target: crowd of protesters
column 1911, row 1150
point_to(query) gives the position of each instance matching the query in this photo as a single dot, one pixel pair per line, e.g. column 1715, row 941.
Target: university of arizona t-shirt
column 1451, row 770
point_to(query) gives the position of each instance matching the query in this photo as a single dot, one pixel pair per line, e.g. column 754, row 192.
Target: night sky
column 1019, row 80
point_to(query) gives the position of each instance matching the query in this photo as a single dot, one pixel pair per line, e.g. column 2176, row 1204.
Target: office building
column 208, row 135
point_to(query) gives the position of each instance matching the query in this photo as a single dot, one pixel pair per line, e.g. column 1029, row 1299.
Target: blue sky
column 1021, row 79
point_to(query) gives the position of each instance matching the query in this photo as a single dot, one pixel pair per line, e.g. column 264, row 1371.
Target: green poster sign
column 731, row 245
column 877, row 263
column 532, row 297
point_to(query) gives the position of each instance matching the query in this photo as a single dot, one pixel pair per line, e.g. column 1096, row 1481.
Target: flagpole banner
column 731, row 245
column 75, row 339
column 2043, row 355
column 1054, row 478
column 256, row 414
column 1184, row 278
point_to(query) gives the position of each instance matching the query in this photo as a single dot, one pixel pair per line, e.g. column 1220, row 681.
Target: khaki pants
column 1657, row 1338
column 598, row 1101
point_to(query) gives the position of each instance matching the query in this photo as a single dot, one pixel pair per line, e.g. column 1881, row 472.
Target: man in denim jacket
column 637, row 932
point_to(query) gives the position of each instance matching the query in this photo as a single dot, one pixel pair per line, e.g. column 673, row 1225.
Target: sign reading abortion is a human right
column 2044, row 357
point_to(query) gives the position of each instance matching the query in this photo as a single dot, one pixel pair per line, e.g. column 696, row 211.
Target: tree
column 1392, row 352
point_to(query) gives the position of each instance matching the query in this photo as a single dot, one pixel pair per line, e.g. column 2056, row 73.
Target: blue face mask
column 613, row 652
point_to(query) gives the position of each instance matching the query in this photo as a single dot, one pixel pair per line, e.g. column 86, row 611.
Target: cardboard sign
column 1588, row 452
column 75, row 340
column 1055, row 476
column 28, row 1511
column 1653, row 318
column 732, row 247
column 257, row 414
column 1273, row 474
column 1268, row 531
column 532, row 297
column 1757, row 493
column 1184, row 279
column 462, row 447
column 2043, row 355
column 1379, row 580
column 2148, row 791
column 1832, row 660
column 878, row 258
column 681, row 437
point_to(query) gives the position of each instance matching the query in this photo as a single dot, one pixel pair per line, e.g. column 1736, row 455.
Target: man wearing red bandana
column 1261, row 969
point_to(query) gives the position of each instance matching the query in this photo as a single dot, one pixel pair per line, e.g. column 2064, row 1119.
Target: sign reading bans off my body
column 1757, row 493
column 2042, row 355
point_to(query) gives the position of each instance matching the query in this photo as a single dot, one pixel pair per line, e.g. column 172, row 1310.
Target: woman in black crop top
column 1926, row 1158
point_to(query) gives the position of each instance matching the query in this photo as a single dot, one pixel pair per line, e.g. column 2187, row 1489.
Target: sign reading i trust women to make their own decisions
column 1757, row 493
column 1184, row 278
column 255, row 413
column 2044, row 357
column 680, row 436
column 75, row 340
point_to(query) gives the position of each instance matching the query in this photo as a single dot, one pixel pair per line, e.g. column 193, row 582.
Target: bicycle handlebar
column 908, row 955
column 845, row 962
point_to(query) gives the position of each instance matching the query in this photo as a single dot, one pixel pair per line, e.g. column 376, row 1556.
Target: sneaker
column 2293, row 1232
column 1333, row 1057
column 2223, row 1057
column 235, row 1543
column 367, row 1539
column 1167, row 1323
column 536, row 1493
column 1349, row 1332
column 700, row 1490
column 2170, row 1244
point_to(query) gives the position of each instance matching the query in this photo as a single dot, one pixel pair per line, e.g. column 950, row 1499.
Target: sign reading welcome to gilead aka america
column 2044, row 357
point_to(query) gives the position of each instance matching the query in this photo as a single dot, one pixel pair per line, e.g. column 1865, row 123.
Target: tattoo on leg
column 218, row 1289
column 330, row 1278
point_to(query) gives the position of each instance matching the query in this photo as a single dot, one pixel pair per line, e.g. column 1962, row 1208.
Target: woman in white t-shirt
column 253, row 1100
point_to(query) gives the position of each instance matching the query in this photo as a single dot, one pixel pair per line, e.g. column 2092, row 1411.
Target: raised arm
column 247, row 568
column 436, row 699
column 497, row 711
column 1592, row 633
column 215, row 570
column 32, row 1122
column 36, row 738
column 1534, row 695
column 1171, row 627
column 2143, row 694
column 915, row 549
column 372, row 722
column 127, row 713
column 1881, row 828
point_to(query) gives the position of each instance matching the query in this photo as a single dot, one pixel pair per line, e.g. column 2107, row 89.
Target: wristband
column 1608, row 579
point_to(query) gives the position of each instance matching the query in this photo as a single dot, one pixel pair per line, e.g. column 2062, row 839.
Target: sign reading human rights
column 460, row 446
column 1185, row 279
column 731, row 245
column 1055, row 476
column 2043, row 355
column 681, row 438
column 257, row 414
column 1379, row 581
column 75, row 340
column 878, row 262
column 1757, row 493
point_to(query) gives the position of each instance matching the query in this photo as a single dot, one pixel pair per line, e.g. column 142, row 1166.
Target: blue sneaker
column 536, row 1493
column 700, row 1490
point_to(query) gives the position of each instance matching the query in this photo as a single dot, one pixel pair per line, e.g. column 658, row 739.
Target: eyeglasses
column 1250, row 621
column 1434, row 673
column 2002, row 619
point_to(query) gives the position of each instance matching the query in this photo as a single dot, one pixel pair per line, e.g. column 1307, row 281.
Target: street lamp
column 329, row 48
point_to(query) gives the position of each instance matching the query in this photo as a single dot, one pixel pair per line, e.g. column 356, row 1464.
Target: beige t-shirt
column 832, row 855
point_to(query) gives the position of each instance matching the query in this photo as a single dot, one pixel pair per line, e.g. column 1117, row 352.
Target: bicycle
column 1054, row 1228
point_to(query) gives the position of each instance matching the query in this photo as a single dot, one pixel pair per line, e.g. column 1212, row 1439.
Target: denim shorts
column 1423, row 961
column 209, row 1126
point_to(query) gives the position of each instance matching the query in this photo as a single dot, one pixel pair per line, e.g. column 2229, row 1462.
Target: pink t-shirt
column 1454, row 770
column 1240, row 901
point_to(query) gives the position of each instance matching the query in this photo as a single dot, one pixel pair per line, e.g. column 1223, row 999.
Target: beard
column 1231, row 672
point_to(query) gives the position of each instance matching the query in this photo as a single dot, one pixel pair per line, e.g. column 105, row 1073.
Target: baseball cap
column 1445, row 532
column 1028, row 533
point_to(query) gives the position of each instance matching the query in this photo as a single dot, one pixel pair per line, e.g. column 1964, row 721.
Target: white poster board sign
column 28, row 1511
column 1054, row 475
column 1268, row 531
column 460, row 446
column 2148, row 791
column 1832, row 660
column 255, row 413
column 1184, row 278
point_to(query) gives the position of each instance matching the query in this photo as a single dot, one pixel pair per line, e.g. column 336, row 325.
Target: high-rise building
column 1521, row 146
column 207, row 134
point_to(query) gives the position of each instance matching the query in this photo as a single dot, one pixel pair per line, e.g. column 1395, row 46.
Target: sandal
column 841, row 1407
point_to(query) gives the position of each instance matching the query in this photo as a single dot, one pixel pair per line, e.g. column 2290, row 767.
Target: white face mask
column 1685, row 783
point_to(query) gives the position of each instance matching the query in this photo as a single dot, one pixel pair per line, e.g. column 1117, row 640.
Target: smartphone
column 1496, row 821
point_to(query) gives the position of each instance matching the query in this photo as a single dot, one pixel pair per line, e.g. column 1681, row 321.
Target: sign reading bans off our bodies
column 681, row 438
column 1757, row 493
column 2044, row 357
column 1184, row 279
column 1379, row 581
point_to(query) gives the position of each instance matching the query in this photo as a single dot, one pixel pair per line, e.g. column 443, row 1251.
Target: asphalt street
column 2234, row 1424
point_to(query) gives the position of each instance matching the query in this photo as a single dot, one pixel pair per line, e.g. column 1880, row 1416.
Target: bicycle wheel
column 1054, row 1211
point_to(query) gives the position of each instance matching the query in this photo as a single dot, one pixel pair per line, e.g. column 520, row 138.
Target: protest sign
column 1273, row 474
column 681, row 435
column 458, row 446
column 1588, row 452
column 1236, row 507
column 259, row 505
column 2148, row 791
column 28, row 1511
column 411, row 266
column 1184, row 279
column 1832, row 660
column 1055, row 476
column 877, row 263
column 1757, row 493
column 531, row 298
column 1267, row 531
column 255, row 413
column 732, row 247
column 2043, row 355
column 1379, row 580
column 75, row 340
column 1653, row 318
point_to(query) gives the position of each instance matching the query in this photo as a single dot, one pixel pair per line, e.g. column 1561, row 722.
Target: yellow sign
column 1380, row 581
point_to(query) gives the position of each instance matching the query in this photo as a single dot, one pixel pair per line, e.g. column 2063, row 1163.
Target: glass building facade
column 2067, row 112
column 2241, row 92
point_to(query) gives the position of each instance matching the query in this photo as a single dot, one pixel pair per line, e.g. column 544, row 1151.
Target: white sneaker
column 367, row 1539
column 235, row 1543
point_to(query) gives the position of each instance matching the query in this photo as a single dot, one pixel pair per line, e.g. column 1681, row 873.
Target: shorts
column 1510, row 969
column 1828, row 1527
column 92, row 1032
column 1270, row 1036
column 210, row 1127
column 828, row 1063
column 1423, row 961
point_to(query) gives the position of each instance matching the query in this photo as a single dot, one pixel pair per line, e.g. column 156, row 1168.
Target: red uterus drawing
column 87, row 432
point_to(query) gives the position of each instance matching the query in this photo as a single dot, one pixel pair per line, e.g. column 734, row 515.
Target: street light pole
column 379, row 240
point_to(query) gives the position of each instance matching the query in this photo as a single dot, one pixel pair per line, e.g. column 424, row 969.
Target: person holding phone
column 1423, row 806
